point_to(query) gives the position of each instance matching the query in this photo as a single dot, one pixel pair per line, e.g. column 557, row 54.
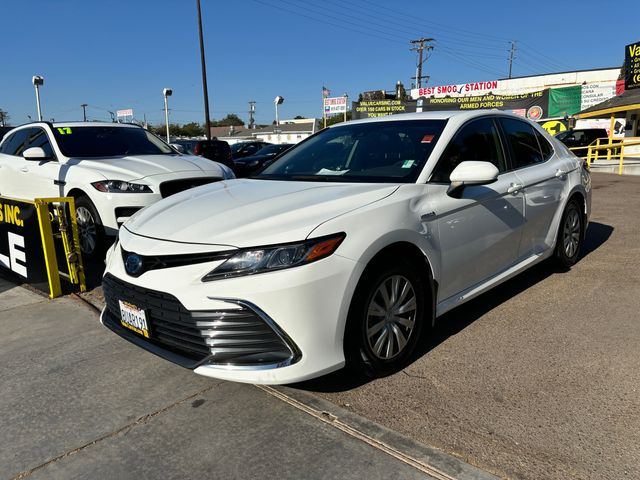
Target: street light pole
column 84, row 111
column 166, row 93
column 37, row 81
column 207, row 122
column 278, row 101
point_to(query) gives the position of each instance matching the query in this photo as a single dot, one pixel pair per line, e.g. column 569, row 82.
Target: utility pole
column 422, row 44
column 252, row 111
column 512, row 55
column 84, row 111
column 207, row 122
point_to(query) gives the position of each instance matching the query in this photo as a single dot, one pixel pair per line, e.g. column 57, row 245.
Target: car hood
column 136, row 167
column 244, row 213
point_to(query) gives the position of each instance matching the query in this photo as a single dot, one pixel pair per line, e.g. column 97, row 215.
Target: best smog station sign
column 632, row 66
column 21, row 250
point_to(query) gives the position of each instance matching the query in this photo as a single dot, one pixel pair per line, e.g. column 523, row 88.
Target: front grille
column 238, row 337
column 176, row 186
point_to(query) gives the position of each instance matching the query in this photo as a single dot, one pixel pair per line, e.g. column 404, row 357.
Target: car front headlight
column 120, row 186
column 276, row 257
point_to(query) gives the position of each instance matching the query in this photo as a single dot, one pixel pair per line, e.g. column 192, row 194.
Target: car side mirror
column 35, row 154
column 471, row 173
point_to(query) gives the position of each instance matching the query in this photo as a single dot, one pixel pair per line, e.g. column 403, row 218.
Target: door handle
column 515, row 187
column 24, row 169
column 560, row 173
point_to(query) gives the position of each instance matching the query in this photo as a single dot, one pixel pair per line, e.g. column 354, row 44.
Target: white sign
column 458, row 90
column 124, row 113
column 594, row 93
column 335, row 105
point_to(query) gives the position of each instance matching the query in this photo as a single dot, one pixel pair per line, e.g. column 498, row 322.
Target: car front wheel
column 90, row 229
column 385, row 319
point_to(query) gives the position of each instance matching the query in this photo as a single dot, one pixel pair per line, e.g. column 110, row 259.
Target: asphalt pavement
column 539, row 378
column 77, row 401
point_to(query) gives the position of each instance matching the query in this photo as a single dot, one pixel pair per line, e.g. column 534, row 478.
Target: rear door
column 544, row 177
column 479, row 234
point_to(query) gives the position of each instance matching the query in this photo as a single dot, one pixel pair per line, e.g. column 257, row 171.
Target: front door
column 479, row 233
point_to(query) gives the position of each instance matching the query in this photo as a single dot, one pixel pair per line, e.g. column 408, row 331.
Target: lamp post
column 278, row 101
column 37, row 81
column 205, row 91
column 346, row 104
column 167, row 93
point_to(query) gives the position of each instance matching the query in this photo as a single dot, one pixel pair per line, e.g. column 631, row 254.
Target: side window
column 37, row 137
column 521, row 138
column 14, row 143
column 477, row 140
column 545, row 146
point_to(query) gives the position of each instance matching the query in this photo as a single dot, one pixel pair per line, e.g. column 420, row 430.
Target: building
column 289, row 131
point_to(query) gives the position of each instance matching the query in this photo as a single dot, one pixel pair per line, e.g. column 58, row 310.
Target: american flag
column 325, row 92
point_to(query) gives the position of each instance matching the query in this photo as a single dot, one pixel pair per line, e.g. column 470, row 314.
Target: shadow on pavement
column 456, row 320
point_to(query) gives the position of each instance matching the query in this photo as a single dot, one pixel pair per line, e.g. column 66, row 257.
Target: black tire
column 366, row 350
column 570, row 235
column 90, row 229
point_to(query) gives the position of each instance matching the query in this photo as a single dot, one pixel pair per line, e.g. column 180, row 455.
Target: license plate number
column 133, row 318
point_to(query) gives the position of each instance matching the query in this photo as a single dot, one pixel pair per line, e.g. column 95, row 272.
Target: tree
column 4, row 117
column 299, row 117
column 230, row 119
column 192, row 129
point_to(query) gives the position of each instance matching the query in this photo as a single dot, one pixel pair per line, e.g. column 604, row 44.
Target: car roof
column 437, row 115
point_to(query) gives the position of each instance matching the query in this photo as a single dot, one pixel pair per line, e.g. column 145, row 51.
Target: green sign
column 564, row 101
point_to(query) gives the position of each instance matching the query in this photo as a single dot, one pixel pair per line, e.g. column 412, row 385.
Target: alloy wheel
column 391, row 317
column 86, row 229
column 571, row 237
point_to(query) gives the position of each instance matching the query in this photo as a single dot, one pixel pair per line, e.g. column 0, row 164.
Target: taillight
column 198, row 149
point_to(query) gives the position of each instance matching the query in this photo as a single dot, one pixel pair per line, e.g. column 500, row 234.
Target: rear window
column 95, row 142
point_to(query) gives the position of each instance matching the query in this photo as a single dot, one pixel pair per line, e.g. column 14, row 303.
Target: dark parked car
column 246, row 166
column 581, row 137
column 246, row 149
column 216, row 150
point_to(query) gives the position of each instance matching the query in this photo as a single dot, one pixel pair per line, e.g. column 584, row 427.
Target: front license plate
column 133, row 318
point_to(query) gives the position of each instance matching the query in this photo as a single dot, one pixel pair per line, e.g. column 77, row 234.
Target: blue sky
column 120, row 54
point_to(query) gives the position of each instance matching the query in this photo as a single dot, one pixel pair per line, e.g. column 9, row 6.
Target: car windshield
column 379, row 152
column 237, row 146
column 94, row 142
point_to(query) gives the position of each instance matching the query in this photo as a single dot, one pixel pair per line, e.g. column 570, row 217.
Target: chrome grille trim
column 241, row 336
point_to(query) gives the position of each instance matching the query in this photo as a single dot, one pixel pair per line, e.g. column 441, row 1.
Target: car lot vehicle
column 581, row 137
column 246, row 166
column 112, row 171
column 245, row 149
column 216, row 150
column 346, row 247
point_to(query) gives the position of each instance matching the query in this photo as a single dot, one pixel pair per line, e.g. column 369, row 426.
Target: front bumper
column 303, row 309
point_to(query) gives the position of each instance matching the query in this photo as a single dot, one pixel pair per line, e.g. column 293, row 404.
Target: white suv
column 111, row 169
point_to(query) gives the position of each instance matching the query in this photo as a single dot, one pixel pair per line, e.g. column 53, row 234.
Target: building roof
column 228, row 131
column 307, row 127
column 627, row 100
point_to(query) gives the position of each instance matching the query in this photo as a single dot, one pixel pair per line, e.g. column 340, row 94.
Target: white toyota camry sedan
column 347, row 247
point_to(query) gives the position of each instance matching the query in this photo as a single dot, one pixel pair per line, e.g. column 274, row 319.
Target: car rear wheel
column 90, row 229
column 570, row 235
column 385, row 319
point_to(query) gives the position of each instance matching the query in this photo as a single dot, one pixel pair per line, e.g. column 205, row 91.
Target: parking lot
column 536, row 379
